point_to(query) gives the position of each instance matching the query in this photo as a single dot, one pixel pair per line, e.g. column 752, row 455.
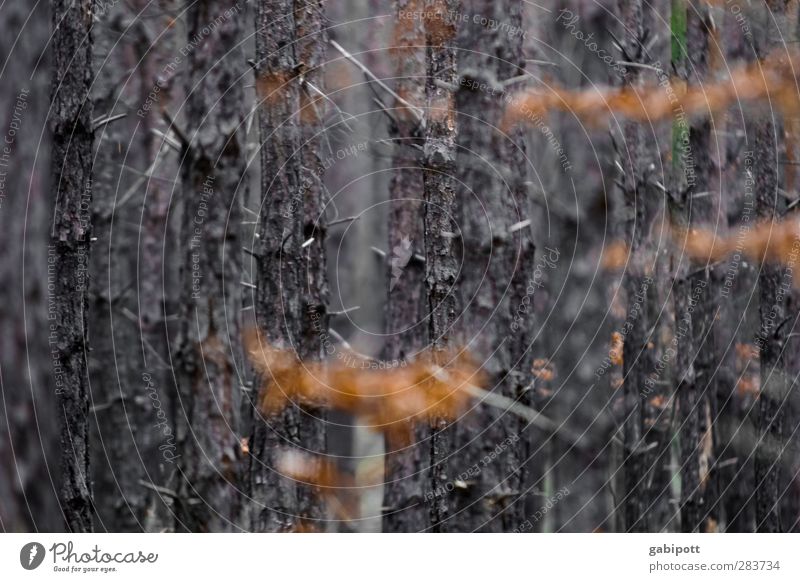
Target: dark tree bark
column 774, row 305
column 641, row 203
column 128, row 369
column 73, row 138
column 158, row 284
column 773, row 313
column 733, row 454
column 312, row 42
column 697, row 297
column 209, row 357
column 406, row 307
column 289, row 315
column 441, row 264
column 493, row 252
column 28, row 426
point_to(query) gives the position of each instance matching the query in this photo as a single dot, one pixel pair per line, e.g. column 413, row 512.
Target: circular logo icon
column 31, row 555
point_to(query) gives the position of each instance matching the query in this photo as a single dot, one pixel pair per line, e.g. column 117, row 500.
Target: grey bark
column 312, row 38
column 493, row 256
column 698, row 300
column 406, row 307
column 129, row 376
column 441, row 229
column 73, row 138
column 774, row 305
column 283, row 306
column 209, row 357
column 28, row 426
column 638, row 198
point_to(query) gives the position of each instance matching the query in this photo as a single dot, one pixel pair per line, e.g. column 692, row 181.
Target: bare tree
column 312, row 42
column 697, row 285
column 289, row 278
column 774, row 306
column 129, row 424
column 73, row 138
column 406, row 306
column 28, row 427
column 636, row 155
column 441, row 265
column 495, row 257
column 210, row 351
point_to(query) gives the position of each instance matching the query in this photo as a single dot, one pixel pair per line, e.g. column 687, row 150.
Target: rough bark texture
column 28, row 427
column 698, row 300
column 406, row 307
column 283, row 305
column 158, row 285
column 774, row 283
column 771, row 340
column 128, row 372
column 71, row 125
column 441, row 264
column 487, row 168
column 312, row 41
column 638, row 288
column 210, row 352
column 733, row 456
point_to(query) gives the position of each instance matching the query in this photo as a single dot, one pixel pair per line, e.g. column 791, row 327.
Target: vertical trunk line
column 441, row 266
column 406, row 473
column 73, row 139
column 209, row 343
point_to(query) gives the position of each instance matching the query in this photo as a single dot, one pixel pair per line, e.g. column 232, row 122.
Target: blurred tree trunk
column 441, row 264
column 488, row 166
column 158, row 288
column 209, row 357
column 73, row 138
column 28, row 425
column 698, row 293
column 775, row 296
column 733, row 455
column 289, row 278
column 129, row 396
column 636, row 284
column 406, row 309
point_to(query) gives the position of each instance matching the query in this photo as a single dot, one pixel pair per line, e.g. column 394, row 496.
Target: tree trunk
column 406, row 308
column 699, row 296
column 28, row 420
column 488, row 167
column 312, row 41
column 209, row 357
column 73, row 138
column 158, row 287
column 637, row 287
column 441, row 265
column 128, row 370
column 774, row 306
column 289, row 309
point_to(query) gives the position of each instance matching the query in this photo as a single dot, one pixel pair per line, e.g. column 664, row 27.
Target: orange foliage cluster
column 339, row 489
column 615, row 256
column 772, row 241
column 439, row 24
column 543, row 370
column 771, row 79
column 748, row 384
column 310, row 470
column 385, row 399
column 615, row 351
column 271, row 87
